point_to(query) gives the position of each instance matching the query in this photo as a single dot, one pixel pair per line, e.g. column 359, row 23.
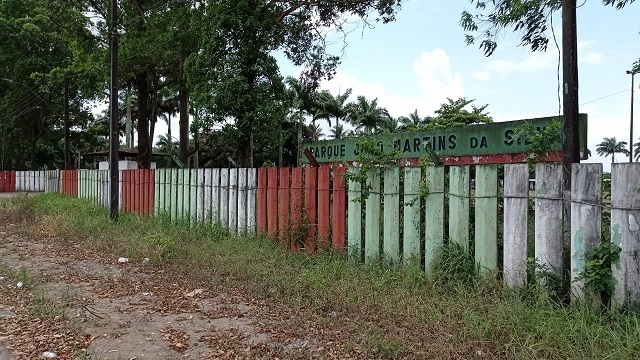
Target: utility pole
column 570, row 143
column 114, row 134
column 632, row 73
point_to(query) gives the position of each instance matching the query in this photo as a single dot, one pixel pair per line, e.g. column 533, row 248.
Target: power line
column 598, row 99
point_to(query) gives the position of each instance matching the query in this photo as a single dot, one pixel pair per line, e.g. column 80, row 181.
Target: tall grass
column 393, row 312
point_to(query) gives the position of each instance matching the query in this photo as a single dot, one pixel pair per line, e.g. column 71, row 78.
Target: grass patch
column 387, row 311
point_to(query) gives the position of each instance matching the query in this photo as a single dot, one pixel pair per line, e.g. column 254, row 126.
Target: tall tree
column 413, row 121
column 611, row 147
column 331, row 106
column 636, row 151
column 456, row 113
column 367, row 115
column 243, row 83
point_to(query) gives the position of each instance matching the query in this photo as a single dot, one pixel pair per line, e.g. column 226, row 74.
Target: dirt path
column 71, row 300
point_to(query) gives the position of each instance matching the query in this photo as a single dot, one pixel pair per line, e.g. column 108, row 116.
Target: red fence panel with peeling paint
column 283, row 203
column 7, row 181
column 296, row 224
column 310, row 194
column 324, row 212
column 339, row 210
column 138, row 191
column 70, row 182
column 272, row 202
column 262, row 201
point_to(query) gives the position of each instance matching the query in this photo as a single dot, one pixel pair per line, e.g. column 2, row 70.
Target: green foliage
column 370, row 158
column 529, row 18
column 366, row 115
column 539, row 141
column 597, row 274
column 453, row 266
column 542, row 282
column 453, row 114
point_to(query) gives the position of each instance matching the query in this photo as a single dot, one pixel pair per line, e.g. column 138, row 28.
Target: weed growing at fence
column 389, row 312
column 597, row 274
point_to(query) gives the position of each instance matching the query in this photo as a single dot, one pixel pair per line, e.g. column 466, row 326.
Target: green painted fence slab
column 372, row 219
column 354, row 219
column 459, row 206
column 486, row 217
column 391, row 222
column 411, row 222
column 434, row 213
column 193, row 196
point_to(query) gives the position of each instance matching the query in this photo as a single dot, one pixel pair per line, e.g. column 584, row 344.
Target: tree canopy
column 528, row 18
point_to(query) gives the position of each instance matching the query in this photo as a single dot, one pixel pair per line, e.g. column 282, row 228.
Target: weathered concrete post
column 586, row 219
column 516, row 223
column 625, row 232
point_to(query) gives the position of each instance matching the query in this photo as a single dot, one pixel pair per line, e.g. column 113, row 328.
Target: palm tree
column 413, row 121
column 337, row 132
column 315, row 132
column 303, row 100
column 367, row 116
column 636, row 151
column 330, row 106
column 390, row 125
column 611, row 146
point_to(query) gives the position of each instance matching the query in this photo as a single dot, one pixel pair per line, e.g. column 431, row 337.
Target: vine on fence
column 371, row 157
column 539, row 140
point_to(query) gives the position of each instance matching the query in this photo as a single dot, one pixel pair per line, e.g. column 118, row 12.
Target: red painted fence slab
column 283, row 204
column 272, row 202
column 296, row 207
column 70, row 182
column 138, row 191
column 324, row 178
column 310, row 193
column 262, row 201
column 7, row 181
column 339, row 210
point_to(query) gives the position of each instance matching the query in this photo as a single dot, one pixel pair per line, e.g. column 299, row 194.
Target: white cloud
column 587, row 55
column 534, row 62
column 434, row 78
column 437, row 80
column 481, row 75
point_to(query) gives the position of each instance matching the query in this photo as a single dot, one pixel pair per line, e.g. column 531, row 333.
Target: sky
column 421, row 59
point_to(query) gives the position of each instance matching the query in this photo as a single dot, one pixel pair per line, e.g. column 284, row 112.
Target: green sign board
column 474, row 140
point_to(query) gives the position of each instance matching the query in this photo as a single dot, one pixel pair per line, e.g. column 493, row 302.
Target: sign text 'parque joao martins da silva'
column 493, row 143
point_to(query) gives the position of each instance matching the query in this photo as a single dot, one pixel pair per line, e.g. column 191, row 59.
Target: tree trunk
column 67, row 126
column 183, row 96
column 154, row 111
column 128, row 132
column 34, row 166
column 144, row 148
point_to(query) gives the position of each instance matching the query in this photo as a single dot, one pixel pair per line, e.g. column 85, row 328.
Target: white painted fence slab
column 252, row 191
column 516, row 224
column 242, row 200
column 224, row 197
column 233, row 200
column 548, row 216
